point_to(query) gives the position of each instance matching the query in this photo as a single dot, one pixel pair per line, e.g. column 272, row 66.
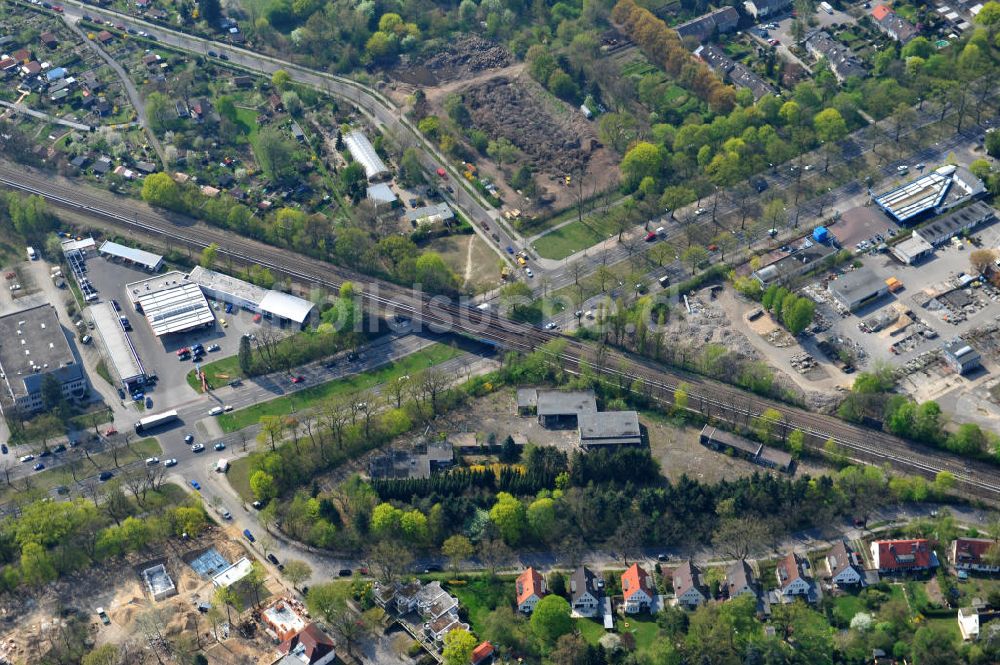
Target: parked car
column 214, row 347
column 3, row 448
column 298, row 379
column 344, row 572
column 189, row 438
column 235, row 383
column 105, row 476
column 220, row 446
column 38, row 467
column 170, row 462
column 249, row 536
column 152, row 461
column 215, row 411
column 195, row 484
column 198, row 447
column 149, row 402
column 60, row 448
column 273, row 559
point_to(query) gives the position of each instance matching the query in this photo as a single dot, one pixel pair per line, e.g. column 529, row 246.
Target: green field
column 238, row 476
column 481, row 595
column 61, row 475
column 310, row 397
column 574, row 237
column 218, row 372
column 845, row 607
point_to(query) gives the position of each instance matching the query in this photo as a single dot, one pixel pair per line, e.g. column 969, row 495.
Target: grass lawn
column 309, row 397
column 948, row 624
column 481, row 595
column 102, row 370
column 239, row 477
column 642, row 627
column 592, row 630
column 845, row 607
column 86, row 420
column 247, row 118
column 574, row 237
column 218, row 372
column 46, row 480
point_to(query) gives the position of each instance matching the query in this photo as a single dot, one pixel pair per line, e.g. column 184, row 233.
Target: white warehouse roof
column 176, row 309
column 286, row 306
column 222, row 283
column 364, row 153
column 141, row 257
column 120, row 351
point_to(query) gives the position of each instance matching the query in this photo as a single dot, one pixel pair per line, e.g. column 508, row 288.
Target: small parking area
column 158, row 354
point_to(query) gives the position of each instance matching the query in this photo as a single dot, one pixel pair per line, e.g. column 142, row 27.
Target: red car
column 111, row 431
column 651, row 236
column 182, row 351
column 297, row 379
column 256, row 318
column 441, row 172
column 57, row 9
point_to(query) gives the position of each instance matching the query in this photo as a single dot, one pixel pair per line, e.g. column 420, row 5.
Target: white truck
column 32, row 254
column 825, row 6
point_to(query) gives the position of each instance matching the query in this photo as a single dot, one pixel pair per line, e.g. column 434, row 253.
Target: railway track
column 707, row 397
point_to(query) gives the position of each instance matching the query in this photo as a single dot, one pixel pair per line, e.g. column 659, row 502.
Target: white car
column 27, row 458
column 215, row 411
column 227, row 408
column 700, row 211
column 151, row 461
column 171, row 462
column 528, row 272
column 198, row 447
column 807, row 167
column 550, row 325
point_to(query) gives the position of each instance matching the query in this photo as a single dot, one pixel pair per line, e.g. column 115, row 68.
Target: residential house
column 22, row 55
column 843, row 63
column 717, row 22
column 105, row 37
column 736, row 73
column 91, row 82
column 311, row 646
column 844, row 567
column 243, row 81
column 585, row 592
column 275, row 103
column 688, row 587
column 8, row 65
column 151, row 59
column 740, row 580
column 902, row 556
column 482, row 654
column 102, row 165
column 968, row 623
column 763, row 8
column 637, row 590
column 530, row 587
column 893, row 25
column 157, row 13
column 33, row 68
column 48, row 40
column 103, row 108
column 792, row 583
column 968, row 554
column 181, row 109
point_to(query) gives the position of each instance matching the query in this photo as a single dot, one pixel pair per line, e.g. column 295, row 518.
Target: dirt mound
column 460, row 58
column 183, row 622
column 513, row 109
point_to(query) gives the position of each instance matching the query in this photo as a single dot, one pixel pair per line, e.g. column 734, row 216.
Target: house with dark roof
column 969, row 554
column 311, row 646
column 740, row 581
column 843, row 63
column 716, row 22
column 585, row 592
column 638, row 594
column 530, row 588
column 893, row 25
column 903, row 556
column 104, row 37
column 48, row 39
column 792, row 581
column 689, row 590
column 736, row 73
column 844, row 567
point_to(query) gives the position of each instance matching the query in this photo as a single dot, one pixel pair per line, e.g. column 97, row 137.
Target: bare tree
column 433, row 382
column 388, row 560
column 494, row 554
column 738, row 537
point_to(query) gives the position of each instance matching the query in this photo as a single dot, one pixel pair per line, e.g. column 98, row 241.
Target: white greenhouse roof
column 364, row 153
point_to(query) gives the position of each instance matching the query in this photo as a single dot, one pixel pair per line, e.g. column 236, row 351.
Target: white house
column 688, row 588
column 585, row 592
column 791, row 582
column 637, row 591
column 530, row 586
column 843, row 566
column 740, row 581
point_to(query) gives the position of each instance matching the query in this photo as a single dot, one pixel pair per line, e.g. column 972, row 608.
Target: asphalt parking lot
column 158, row 354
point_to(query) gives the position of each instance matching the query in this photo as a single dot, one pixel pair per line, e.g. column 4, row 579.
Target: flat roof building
column 856, row 289
column 32, row 347
column 961, row 357
column 158, row 582
column 941, row 230
column 364, row 153
column 802, row 258
column 233, row 573
column 271, row 304
column 176, row 309
column 750, row 450
column 146, row 260
column 937, row 191
column 123, row 360
column 381, row 194
column 912, row 250
column 558, row 409
column 438, row 212
column 609, row 428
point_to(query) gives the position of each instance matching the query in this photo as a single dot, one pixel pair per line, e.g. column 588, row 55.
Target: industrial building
column 32, row 347
column 275, row 305
column 757, row 453
column 939, row 231
column 609, row 428
column 857, row 289
column 171, row 303
column 801, row 259
column 123, row 360
column 364, row 153
column 381, row 194
column 131, row 255
column 961, row 357
column 912, row 250
column 937, row 191
column 578, row 410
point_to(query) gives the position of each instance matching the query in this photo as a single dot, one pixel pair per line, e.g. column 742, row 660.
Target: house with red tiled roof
column 893, row 25
column 8, row 65
column 530, row 587
column 970, row 554
column 792, row 583
column 881, row 12
column 22, row 55
column 104, row 36
column 310, row 646
column 901, row 556
column 637, row 590
column 482, row 654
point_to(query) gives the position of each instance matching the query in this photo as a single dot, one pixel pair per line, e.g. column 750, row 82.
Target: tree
column 982, row 259
column 796, row 443
column 354, row 181
column 738, row 537
column 297, row 571
column 550, row 619
column 458, row 647
column 510, row 517
column 245, row 355
column 208, row 255
column 280, row 79
column 830, row 128
column 800, row 316
column 502, row 151
column 52, row 395
column 36, row 566
column 642, row 160
column 263, row 486
column 694, row 256
column 210, row 11
column 275, row 153
column 108, row 654
column 159, row 189
column 457, row 548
